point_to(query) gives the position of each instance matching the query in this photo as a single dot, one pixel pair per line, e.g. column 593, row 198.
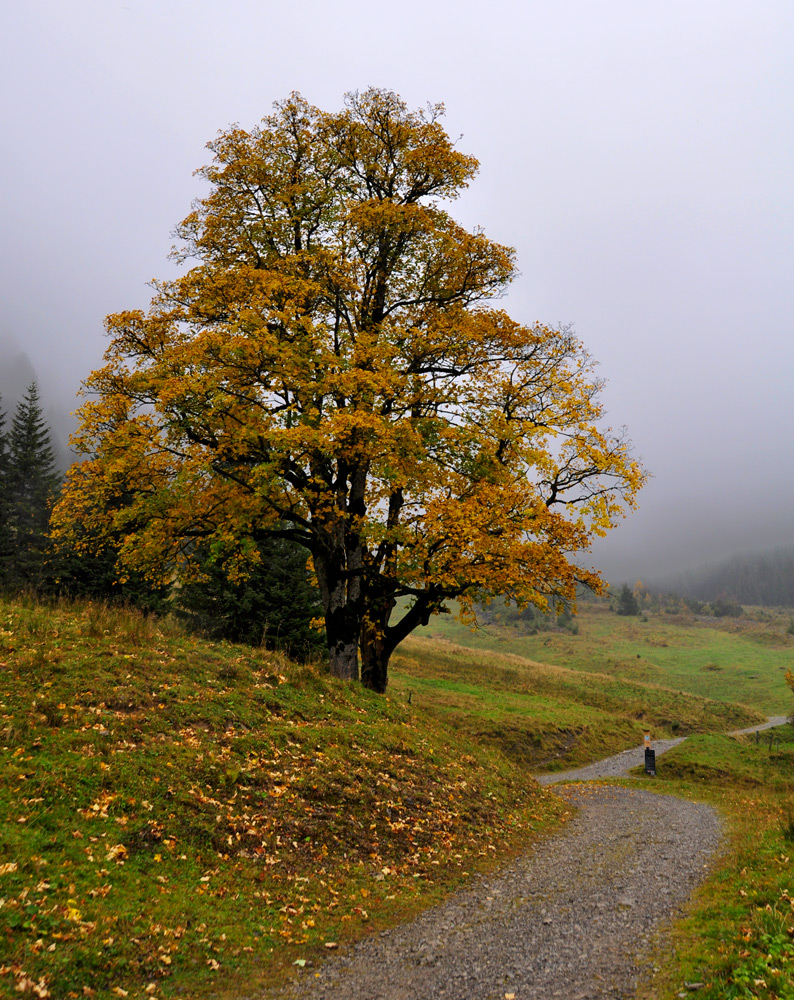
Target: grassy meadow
column 733, row 660
column 675, row 675
column 181, row 818
column 548, row 717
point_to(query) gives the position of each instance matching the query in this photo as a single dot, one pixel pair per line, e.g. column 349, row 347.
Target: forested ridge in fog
column 765, row 578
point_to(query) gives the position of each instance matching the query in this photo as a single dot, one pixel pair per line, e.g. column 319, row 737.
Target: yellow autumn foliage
column 331, row 369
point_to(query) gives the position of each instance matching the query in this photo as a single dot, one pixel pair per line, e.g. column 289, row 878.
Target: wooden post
column 650, row 756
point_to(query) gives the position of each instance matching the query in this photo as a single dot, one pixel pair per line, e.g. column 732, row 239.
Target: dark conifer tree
column 5, row 528
column 627, row 602
column 32, row 482
column 274, row 606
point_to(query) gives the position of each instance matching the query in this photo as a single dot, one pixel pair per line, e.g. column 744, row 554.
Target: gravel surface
column 622, row 763
column 771, row 722
column 570, row 920
column 612, row 767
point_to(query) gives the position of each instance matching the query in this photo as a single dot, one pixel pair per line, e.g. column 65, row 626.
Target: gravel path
column 572, row 920
column 771, row 722
column 612, row 767
column 568, row 920
column 622, row 763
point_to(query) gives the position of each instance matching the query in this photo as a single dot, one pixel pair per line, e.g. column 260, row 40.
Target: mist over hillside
column 765, row 578
column 16, row 374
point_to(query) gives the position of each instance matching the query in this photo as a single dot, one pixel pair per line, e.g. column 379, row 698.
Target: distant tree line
column 636, row 600
column 765, row 579
column 528, row 620
column 274, row 604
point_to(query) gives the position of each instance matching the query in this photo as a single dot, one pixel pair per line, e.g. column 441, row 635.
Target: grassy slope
column 738, row 939
column 187, row 818
column 726, row 659
column 546, row 717
column 554, row 699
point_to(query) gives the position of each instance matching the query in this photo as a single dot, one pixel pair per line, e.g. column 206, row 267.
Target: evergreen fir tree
column 274, row 606
column 627, row 602
column 5, row 528
column 32, row 483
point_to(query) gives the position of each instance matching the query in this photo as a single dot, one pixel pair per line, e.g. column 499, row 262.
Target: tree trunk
column 342, row 627
column 379, row 639
column 377, row 644
column 375, row 654
column 340, row 593
column 343, row 659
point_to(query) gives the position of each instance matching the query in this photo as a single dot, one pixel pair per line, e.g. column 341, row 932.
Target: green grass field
column 181, row 818
column 733, row 660
column 549, row 717
column 554, row 699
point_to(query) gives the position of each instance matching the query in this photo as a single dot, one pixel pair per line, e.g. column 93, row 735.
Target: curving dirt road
column 571, row 920
column 567, row 921
column 622, row 763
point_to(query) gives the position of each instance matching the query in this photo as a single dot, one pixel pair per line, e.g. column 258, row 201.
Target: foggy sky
column 637, row 155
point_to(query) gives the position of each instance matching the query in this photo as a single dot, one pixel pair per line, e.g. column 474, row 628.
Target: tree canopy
column 332, row 369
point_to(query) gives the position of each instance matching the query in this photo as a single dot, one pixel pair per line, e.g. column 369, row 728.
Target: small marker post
column 650, row 757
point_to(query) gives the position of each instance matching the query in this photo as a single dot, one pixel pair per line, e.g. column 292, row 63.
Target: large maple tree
column 332, row 369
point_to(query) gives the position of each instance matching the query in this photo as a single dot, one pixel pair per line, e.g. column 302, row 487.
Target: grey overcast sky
column 638, row 155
